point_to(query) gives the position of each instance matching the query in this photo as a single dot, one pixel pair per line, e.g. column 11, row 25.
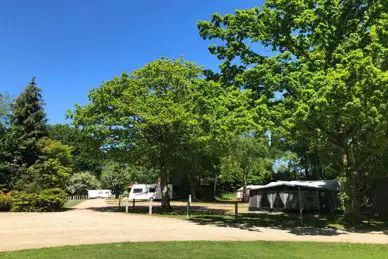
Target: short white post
column 150, row 208
column 126, row 206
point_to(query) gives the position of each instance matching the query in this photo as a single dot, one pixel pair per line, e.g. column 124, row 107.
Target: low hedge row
column 5, row 201
column 45, row 201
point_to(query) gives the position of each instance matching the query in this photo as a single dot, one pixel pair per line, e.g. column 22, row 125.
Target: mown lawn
column 227, row 197
column 203, row 249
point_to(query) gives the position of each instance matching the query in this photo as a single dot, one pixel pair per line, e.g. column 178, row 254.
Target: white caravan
column 147, row 192
column 97, row 194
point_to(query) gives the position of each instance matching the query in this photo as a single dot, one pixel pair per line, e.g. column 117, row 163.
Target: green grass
column 204, row 249
column 72, row 203
column 227, row 197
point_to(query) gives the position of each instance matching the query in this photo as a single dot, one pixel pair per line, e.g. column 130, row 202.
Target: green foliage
column 325, row 81
column 7, row 143
column 28, row 122
column 142, row 174
column 52, row 169
column 248, row 161
column 116, row 178
column 5, row 201
column 45, row 201
column 160, row 110
column 85, row 149
column 80, row 183
column 5, row 110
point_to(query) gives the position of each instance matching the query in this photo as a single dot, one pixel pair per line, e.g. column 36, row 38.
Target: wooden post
column 133, row 203
column 235, row 210
column 188, row 207
column 150, row 208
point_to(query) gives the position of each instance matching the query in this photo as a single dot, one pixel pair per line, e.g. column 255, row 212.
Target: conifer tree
column 28, row 123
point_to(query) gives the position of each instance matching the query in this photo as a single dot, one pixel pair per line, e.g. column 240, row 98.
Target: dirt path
column 85, row 226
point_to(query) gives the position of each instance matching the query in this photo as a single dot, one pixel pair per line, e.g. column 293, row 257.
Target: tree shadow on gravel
column 313, row 225
column 157, row 210
column 326, row 225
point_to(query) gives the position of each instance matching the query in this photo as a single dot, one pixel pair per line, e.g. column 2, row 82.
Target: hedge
column 45, row 201
column 5, row 201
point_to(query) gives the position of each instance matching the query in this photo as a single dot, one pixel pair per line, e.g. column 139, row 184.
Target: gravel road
column 85, row 226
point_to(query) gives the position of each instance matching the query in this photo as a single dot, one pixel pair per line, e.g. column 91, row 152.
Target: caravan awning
column 250, row 187
column 330, row 185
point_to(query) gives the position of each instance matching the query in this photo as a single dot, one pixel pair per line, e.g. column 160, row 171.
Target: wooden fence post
column 235, row 210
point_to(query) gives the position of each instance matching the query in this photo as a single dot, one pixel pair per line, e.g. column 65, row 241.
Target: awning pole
column 300, row 207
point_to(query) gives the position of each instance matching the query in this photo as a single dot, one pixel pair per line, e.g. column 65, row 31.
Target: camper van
column 97, row 194
column 147, row 192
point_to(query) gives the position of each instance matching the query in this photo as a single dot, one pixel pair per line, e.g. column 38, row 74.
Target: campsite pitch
column 90, row 223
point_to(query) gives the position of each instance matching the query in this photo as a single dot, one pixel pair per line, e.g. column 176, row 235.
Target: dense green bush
column 80, row 183
column 5, row 201
column 45, row 201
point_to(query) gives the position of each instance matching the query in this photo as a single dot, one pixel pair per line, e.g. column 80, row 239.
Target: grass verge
column 204, row 249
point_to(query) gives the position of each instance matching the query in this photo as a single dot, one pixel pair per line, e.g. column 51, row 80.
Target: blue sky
column 72, row 46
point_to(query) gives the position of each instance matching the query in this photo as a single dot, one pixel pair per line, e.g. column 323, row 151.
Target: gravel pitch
column 86, row 226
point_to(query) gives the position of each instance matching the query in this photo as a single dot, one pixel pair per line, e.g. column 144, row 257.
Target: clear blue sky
column 72, row 46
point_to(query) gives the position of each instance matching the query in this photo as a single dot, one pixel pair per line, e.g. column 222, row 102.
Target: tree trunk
column 215, row 186
column 244, row 196
column 164, row 187
column 352, row 189
column 192, row 184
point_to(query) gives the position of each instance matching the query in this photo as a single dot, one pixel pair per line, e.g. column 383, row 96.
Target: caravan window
column 152, row 189
column 137, row 190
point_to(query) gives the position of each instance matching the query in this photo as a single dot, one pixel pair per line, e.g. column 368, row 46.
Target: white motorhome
column 97, row 194
column 147, row 192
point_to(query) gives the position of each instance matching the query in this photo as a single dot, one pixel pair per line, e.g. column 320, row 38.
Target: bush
column 5, row 201
column 81, row 182
column 46, row 201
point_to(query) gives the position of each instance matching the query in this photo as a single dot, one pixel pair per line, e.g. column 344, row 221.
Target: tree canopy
column 325, row 79
column 161, row 109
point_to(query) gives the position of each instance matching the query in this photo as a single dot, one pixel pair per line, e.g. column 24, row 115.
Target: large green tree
column 160, row 109
column 52, row 169
column 5, row 109
column 85, row 149
column 6, row 143
column 28, row 123
column 81, row 182
column 116, row 178
column 328, row 65
column 248, row 160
